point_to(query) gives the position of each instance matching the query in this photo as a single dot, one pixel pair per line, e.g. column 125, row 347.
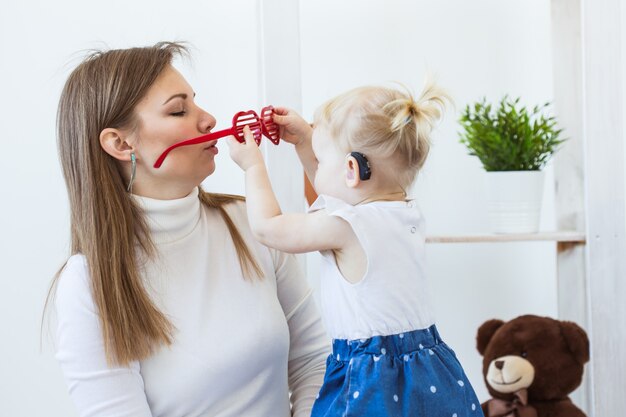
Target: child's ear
column 353, row 178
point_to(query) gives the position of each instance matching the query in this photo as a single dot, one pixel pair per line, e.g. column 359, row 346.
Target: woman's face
column 167, row 115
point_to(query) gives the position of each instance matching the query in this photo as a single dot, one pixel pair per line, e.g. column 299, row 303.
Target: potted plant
column 514, row 144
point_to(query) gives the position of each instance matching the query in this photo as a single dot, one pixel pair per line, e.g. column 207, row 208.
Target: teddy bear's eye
column 524, row 354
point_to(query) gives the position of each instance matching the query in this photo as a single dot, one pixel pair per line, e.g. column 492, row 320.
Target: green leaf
column 509, row 137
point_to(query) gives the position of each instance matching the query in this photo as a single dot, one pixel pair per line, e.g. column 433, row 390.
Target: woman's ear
column 113, row 143
column 353, row 178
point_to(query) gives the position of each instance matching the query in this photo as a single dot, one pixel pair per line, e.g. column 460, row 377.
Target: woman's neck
column 169, row 220
column 162, row 191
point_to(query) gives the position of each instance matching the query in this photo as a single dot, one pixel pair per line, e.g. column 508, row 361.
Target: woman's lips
column 211, row 147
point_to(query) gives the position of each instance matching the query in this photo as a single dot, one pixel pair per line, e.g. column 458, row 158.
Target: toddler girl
column 366, row 149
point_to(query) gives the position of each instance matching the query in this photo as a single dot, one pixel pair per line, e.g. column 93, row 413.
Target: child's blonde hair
column 387, row 123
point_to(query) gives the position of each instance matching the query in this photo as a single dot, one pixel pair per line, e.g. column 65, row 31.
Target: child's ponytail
column 422, row 114
column 412, row 122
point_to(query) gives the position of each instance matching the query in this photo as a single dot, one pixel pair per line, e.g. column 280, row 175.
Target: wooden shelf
column 559, row 236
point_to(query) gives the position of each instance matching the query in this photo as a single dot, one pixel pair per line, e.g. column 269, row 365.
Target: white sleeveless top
column 392, row 297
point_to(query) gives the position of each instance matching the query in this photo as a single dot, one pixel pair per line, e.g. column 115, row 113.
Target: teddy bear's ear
column 485, row 333
column 577, row 340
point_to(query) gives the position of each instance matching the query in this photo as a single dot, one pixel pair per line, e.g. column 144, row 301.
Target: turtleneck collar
column 171, row 220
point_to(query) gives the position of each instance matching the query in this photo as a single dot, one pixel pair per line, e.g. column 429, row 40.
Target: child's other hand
column 247, row 154
column 291, row 127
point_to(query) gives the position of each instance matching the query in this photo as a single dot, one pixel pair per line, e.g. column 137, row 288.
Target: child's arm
column 293, row 233
column 294, row 129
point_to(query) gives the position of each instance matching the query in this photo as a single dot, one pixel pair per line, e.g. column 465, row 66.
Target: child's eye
column 179, row 114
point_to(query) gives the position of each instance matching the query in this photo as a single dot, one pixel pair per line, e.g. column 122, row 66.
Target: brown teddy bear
column 530, row 365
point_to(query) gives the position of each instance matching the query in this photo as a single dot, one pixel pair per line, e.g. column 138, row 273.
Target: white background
column 476, row 48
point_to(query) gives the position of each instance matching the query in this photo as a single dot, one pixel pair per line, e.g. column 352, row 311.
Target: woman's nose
column 206, row 122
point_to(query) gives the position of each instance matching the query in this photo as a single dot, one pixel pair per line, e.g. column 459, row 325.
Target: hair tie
column 413, row 111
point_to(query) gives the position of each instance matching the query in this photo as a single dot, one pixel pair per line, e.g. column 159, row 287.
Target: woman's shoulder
column 234, row 205
column 214, row 200
column 73, row 285
column 220, row 198
column 75, row 268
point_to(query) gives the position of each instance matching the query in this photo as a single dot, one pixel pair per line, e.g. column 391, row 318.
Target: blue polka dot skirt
column 410, row 374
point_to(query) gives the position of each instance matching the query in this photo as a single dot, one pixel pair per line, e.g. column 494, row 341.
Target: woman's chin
column 208, row 169
column 207, row 159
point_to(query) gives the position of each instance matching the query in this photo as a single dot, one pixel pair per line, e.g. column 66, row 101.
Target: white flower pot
column 514, row 200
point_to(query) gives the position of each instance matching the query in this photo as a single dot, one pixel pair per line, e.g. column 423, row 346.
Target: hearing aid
column 365, row 172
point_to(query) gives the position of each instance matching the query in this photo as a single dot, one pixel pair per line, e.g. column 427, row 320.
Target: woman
column 168, row 306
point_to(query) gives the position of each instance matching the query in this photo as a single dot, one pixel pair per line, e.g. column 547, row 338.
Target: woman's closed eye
column 179, row 114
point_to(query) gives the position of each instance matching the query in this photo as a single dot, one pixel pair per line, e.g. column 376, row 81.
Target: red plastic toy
column 263, row 125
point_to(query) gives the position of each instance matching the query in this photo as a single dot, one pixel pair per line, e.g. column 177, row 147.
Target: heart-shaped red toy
column 259, row 126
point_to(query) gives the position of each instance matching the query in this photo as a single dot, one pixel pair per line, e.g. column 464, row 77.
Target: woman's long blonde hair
column 107, row 226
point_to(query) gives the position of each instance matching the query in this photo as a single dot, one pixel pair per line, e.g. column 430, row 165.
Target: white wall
column 480, row 47
column 476, row 48
column 623, row 34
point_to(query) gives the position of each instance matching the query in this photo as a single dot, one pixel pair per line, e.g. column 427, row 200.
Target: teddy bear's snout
column 510, row 373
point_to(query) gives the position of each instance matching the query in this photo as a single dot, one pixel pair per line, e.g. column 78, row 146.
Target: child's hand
column 291, row 127
column 247, row 154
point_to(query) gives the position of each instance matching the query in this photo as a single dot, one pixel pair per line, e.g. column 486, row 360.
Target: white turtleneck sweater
column 240, row 346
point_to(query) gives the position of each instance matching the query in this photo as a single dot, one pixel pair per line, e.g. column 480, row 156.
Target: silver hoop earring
column 133, row 169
